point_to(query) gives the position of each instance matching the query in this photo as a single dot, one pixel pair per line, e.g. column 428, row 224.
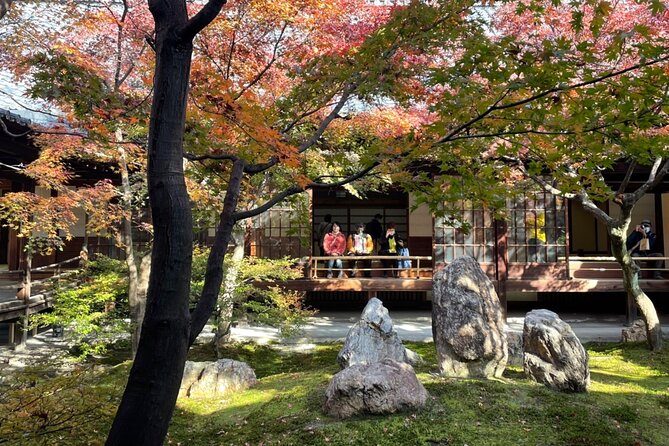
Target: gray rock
column 211, row 379
column 379, row 388
column 373, row 338
column 553, row 355
column 467, row 322
column 634, row 333
column 514, row 341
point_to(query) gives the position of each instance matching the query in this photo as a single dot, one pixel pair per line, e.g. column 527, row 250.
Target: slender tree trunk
column 148, row 401
column 138, row 275
column 214, row 274
column 631, row 283
column 228, row 297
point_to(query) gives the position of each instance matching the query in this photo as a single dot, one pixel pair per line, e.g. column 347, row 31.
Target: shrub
column 273, row 306
column 92, row 308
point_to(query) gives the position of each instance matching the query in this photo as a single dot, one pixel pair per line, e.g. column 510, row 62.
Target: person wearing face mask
column 388, row 247
column 642, row 242
column 360, row 244
column 334, row 244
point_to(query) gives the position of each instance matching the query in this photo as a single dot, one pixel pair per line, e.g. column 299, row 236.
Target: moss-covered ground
column 627, row 405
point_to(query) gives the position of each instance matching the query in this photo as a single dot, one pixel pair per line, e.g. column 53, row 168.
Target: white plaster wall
column 420, row 220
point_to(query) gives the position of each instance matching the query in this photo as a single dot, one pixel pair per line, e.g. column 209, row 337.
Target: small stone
column 210, row 379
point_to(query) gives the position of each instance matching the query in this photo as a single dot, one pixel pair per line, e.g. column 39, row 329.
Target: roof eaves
column 13, row 117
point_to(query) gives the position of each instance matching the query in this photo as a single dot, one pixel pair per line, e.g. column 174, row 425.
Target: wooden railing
column 318, row 264
column 608, row 266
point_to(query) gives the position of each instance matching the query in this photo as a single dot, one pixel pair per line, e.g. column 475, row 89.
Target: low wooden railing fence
column 318, row 265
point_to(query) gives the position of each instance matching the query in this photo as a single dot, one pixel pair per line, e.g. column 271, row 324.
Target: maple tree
column 94, row 82
column 562, row 95
column 277, row 89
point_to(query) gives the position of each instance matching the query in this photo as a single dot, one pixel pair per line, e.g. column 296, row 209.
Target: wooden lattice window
column 452, row 241
column 537, row 228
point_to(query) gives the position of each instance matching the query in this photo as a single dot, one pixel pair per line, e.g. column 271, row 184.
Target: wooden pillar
column 501, row 263
column 630, row 310
column 12, row 333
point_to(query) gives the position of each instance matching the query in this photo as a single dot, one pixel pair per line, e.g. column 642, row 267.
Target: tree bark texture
column 138, row 274
column 148, row 401
column 228, row 297
column 214, row 273
column 631, row 283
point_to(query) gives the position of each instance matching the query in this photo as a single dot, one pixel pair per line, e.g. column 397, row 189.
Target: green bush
column 273, row 306
column 92, row 307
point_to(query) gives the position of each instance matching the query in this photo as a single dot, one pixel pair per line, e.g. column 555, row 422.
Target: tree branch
column 628, row 177
column 297, row 189
column 346, row 94
column 214, row 273
column 221, row 156
column 200, row 20
column 4, row 7
column 262, row 72
column 495, row 107
column 657, row 173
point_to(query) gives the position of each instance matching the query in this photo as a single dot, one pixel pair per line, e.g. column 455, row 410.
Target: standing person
column 642, row 242
column 334, row 244
column 360, row 244
column 323, row 228
column 403, row 251
column 388, row 247
column 375, row 229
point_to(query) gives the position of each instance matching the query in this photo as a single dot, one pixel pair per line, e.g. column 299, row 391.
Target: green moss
column 628, row 402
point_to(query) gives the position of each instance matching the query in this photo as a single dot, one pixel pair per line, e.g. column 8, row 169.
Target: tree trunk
column 213, row 277
column 138, row 276
column 228, row 298
column 631, row 284
column 148, row 401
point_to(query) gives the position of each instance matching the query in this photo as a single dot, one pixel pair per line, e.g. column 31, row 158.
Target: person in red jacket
column 334, row 244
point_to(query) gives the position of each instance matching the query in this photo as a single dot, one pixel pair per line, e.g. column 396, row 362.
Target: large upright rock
column 467, row 322
column 210, row 379
column 373, row 338
column 379, row 388
column 553, row 355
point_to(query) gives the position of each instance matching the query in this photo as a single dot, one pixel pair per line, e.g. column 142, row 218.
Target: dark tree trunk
column 150, row 395
column 153, row 385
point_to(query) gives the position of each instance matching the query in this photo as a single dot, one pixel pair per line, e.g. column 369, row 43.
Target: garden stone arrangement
column 379, row 388
column 210, row 379
column 467, row 322
column 373, row 338
column 553, row 355
column 377, row 377
column 635, row 332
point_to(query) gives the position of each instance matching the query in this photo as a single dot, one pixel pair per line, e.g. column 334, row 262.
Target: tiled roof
column 9, row 116
column 16, row 106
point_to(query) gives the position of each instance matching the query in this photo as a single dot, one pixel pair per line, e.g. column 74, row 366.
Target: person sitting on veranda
column 360, row 244
column 642, row 242
column 334, row 244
